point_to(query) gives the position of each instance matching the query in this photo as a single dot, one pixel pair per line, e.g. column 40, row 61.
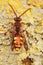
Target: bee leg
column 25, row 43
column 26, row 46
column 29, row 34
column 11, row 23
column 12, row 45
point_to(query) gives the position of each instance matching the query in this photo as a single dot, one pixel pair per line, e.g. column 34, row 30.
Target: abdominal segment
column 18, row 41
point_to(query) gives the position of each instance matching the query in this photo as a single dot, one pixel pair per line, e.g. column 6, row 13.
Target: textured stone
column 35, row 29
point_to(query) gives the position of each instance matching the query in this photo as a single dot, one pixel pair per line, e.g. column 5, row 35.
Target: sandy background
column 35, row 44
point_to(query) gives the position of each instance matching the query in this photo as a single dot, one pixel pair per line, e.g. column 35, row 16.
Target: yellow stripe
column 15, row 38
column 17, row 49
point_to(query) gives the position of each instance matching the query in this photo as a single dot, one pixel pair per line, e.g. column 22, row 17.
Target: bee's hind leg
column 12, row 46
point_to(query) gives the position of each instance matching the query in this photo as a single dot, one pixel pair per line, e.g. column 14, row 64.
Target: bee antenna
column 12, row 9
column 25, row 12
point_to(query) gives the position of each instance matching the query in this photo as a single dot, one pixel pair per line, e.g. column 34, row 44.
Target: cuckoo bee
column 18, row 39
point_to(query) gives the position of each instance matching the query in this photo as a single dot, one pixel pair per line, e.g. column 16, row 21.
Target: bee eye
column 15, row 38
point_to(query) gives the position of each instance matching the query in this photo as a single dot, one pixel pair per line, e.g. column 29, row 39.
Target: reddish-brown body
column 18, row 39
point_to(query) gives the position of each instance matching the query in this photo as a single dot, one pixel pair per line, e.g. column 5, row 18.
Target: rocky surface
column 33, row 25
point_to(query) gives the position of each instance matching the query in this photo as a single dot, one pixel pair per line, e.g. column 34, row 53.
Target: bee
column 18, row 39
